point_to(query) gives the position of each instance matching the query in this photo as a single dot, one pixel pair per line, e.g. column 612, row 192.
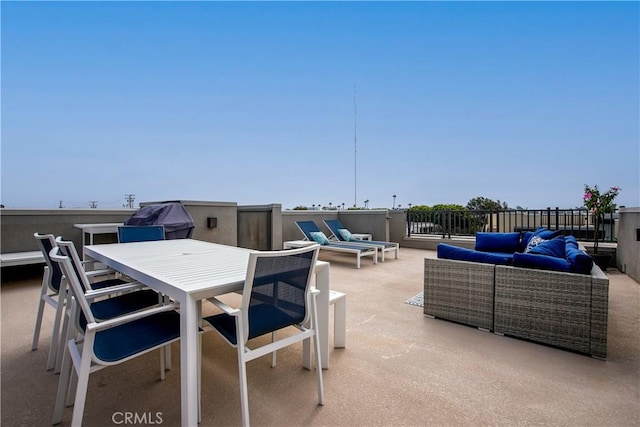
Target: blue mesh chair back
column 75, row 286
column 107, row 308
column 335, row 225
column 68, row 249
column 308, row 227
column 140, row 233
column 278, row 292
column 46, row 242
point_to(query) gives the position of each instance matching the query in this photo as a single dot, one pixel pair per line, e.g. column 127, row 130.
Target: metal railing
column 446, row 223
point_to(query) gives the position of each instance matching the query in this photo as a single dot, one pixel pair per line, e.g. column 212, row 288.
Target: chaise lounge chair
column 342, row 234
column 313, row 233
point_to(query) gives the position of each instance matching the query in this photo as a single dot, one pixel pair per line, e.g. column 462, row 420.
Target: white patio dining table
column 189, row 271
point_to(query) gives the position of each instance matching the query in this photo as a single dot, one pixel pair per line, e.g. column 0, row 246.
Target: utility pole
column 61, row 205
column 129, row 199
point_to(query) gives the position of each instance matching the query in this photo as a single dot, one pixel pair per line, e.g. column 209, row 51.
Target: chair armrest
column 224, row 307
column 111, row 323
column 93, row 294
column 102, row 272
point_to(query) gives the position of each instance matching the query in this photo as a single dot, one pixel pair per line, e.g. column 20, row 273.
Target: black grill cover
column 177, row 222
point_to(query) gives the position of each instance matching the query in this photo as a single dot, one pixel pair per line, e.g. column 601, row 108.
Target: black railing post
column 548, row 216
column 557, row 217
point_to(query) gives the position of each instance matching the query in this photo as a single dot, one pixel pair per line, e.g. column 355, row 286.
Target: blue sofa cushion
column 541, row 262
column 580, row 262
column 541, row 232
column 571, row 241
column 463, row 254
column 498, row 242
column 554, row 247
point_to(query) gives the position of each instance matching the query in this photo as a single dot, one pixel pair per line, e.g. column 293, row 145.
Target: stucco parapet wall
column 260, row 207
column 63, row 211
column 630, row 210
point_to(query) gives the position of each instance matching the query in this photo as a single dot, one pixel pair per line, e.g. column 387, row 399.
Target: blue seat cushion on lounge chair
column 134, row 337
column 346, row 245
column 541, row 262
column 554, row 247
column 263, row 319
column 498, row 242
column 446, row 251
column 541, row 232
column 580, row 261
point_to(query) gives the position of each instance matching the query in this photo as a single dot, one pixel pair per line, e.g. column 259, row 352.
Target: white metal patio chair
column 110, row 297
column 276, row 295
column 49, row 294
column 105, row 343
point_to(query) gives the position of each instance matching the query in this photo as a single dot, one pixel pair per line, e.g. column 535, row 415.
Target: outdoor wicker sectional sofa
column 563, row 309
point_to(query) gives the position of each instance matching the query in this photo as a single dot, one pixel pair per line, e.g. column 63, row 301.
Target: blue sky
column 253, row 102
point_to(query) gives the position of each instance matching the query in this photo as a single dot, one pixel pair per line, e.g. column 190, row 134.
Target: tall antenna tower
column 355, row 149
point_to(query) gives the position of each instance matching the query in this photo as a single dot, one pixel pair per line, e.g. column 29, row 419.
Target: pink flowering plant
column 599, row 204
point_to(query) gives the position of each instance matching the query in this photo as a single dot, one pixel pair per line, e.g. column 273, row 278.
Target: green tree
column 485, row 204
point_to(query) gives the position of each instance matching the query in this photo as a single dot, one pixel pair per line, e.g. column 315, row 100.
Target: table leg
column 189, row 361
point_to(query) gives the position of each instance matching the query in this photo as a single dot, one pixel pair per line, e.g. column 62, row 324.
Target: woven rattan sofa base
column 565, row 310
column 459, row 291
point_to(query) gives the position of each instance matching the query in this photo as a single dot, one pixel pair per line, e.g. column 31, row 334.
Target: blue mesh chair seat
column 122, row 304
column 127, row 340
column 262, row 318
column 276, row 295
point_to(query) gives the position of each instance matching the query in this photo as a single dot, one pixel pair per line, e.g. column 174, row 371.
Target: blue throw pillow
column 554, row 247
column 319, row 237
column 463, row 254
column 533, row 242
column 345, row 234
column 580, row 261
column 541, row 232
column 541, row 262
column 498, row 242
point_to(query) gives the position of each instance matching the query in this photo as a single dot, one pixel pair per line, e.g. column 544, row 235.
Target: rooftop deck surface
column 399, row 368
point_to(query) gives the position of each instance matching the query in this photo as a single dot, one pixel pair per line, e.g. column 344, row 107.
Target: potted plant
column 599, row 204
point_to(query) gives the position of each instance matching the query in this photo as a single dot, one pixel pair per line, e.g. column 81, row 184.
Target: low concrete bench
column 21, row 258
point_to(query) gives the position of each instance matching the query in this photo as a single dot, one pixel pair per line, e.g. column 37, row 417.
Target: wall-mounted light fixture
column 212, row 222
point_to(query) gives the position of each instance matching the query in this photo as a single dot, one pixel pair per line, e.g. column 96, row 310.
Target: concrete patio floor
column 400, row 368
